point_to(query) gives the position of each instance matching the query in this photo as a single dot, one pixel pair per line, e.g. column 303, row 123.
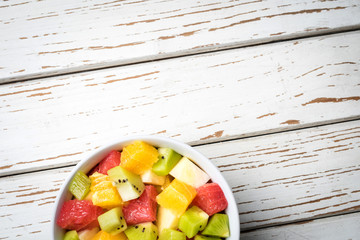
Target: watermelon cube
column 142, row 209
column 210, row 198
column 78, row 215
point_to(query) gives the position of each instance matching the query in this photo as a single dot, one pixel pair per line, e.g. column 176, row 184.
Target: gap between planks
column 216, row 141
column 183, row 54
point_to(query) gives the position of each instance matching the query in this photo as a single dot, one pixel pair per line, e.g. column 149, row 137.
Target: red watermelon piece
column 79, row 214
column 110, row 161
column 142, row 209
column 210, row 198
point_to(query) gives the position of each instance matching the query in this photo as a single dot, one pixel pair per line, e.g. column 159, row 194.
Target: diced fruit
column 143, row 231
column 104, row 194
column 200, row 237
column 107, row 198
column 193, row 221
column 80, row 185
column 128, row 184
column 99, row 181
column 110, row 161
column 112, row 221
column 187, row 172
column 168, row 158
column 138, row 157
column 142, row 209
column 89, row 196
column 166, row 218
column 218, row 226
column 71, row 235
column 171, row 234
column 102, row 235
column 88, row 234
column 150, row 177
column 78, row 214
column 176, row 197
column 210, row 198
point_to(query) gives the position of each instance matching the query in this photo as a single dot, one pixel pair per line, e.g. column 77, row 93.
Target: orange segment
column 176, row 197
column 138, row 157
column 102, row 235
column 107, row 198
column 104, row 194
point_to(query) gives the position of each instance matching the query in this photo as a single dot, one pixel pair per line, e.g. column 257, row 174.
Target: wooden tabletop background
column 268, row 90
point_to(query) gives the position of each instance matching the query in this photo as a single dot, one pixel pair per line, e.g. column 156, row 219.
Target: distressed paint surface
column 311, row 177
column 58, row 121
column 65, row 36
column 339, row 227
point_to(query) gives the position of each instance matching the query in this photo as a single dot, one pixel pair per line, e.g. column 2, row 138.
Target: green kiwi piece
column 113, row 221
column 128, row 184
column 143, row 231
column 168, row 158
column 218, row 226
column 71, row 235
column 193, row 221
column 171, row 234
column 200, row 237
column 80, row 185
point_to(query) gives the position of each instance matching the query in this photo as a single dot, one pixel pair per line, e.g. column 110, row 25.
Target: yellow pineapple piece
column 138, row 157
column 176, row 197
column 102, row 235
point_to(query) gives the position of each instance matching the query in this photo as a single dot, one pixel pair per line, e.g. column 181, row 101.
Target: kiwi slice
column 200, row 237
column 143, row 231
column 168, row 158
column 71, row 235
column 193, row 221
column 128, row 184
column 171, row 234
column 80, row 185
column 113, row 221
column 218, row 226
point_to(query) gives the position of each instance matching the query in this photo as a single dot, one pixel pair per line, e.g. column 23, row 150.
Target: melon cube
column 189, row 173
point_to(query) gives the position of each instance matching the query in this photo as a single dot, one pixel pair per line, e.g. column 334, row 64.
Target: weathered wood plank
column 331, row 228
column 65, row 36
column 210, row 97
column 276, row 179
column 290, row 176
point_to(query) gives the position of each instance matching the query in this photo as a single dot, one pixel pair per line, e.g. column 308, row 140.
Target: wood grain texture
column 276, row 179
column 296, row 175
column 331, row 228
column 65, row 36
column 204, row 98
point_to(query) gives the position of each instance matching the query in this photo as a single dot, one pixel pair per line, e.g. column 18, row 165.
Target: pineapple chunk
column 187, row 172
column 88, row 234
column 151, row 178
column 166, row 218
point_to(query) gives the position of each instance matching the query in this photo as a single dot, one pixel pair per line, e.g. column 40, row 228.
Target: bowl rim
column 184, row 149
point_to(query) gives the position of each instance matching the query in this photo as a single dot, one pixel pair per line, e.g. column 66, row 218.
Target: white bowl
column 183, row 149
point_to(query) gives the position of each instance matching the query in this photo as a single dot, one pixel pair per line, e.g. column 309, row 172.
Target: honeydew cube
column 88, row 234
column 150, row 177
column 166, row 218
column 189, row 173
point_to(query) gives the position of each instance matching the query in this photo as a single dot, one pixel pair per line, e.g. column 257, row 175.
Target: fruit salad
column 144, row 193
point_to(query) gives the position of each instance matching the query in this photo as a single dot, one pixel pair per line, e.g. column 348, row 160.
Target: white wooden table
column 269, row 90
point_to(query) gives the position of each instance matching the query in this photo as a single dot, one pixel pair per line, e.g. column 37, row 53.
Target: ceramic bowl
column 182, row 148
